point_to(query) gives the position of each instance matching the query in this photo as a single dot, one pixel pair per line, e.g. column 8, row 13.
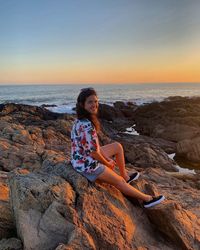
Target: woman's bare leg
column 114, row 179
column 116, row 149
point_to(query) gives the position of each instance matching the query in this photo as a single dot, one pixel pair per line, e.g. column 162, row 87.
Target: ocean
column 63, row 97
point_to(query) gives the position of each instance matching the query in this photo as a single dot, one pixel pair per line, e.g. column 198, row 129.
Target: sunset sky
column 99, row 41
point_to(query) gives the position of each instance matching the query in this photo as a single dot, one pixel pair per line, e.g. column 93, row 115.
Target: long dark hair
column 81, row 112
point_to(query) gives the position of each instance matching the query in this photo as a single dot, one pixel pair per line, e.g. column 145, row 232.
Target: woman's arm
column 99, row 157
column 102, row 153
column 106, row 157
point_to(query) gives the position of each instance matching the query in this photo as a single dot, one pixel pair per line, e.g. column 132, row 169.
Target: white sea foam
column 63, row 109
column 185, row 170
column 171, row 156
column 131, row 131
column 180, row 169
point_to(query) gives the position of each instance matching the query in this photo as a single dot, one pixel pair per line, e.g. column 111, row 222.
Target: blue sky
column 65, row 41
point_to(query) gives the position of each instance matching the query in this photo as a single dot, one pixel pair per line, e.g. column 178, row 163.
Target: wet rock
column 10, row 244
column 174, row 119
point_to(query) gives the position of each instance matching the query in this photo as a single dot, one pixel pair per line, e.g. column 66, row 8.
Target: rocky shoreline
column 45, row 204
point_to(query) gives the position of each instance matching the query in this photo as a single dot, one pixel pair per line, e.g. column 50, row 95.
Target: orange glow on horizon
column 98, row 75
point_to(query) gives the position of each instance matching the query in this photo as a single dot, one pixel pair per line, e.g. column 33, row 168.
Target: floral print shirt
column 84, row 140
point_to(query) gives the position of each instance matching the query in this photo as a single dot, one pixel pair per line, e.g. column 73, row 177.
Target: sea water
column 64, row 96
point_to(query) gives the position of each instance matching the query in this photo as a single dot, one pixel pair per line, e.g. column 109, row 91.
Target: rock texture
column 174, row 119
column 10, row 244
column 47, row 205
column 30, row 135
column 50, row 210
column 7, row 228
column 143, row 152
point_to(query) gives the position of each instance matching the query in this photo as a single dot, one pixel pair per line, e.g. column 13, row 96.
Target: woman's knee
column 118, row 146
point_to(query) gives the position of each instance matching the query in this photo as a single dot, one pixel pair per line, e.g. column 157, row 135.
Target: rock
column 10, row 244
column 185, row 233
column 7, row 228
column 190, row 150
column 174, row 119
column 51, row 210
column 143, row 154
column 79, row 239
column 19, row 110
column 116, row 118
column 168, row 146
column 54, row 207
column 126, row 108
column 42, row 221
column 108, row 112
column 25, row 136
column 178, row 217
column 48, row 105
column 167, row 120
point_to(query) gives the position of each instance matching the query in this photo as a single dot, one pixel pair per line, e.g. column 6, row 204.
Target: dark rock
column 108, row 112
column 175, row 119
column 7, row 227
column 143, row 152
column 10, row 244
column 48, row 105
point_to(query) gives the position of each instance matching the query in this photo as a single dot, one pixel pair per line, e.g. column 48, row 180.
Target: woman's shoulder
column 85, row 123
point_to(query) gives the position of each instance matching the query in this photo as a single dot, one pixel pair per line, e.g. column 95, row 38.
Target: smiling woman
column 96, row 162
column 91, row 104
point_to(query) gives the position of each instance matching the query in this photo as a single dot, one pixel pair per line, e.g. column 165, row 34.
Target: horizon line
column 89, row 83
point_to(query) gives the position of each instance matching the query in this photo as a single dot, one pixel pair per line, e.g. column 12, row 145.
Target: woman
column 93, row 161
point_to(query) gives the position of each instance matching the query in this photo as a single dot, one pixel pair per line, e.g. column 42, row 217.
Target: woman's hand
column 111, row 164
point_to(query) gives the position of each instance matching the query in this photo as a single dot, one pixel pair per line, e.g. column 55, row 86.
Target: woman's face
column 91, row 104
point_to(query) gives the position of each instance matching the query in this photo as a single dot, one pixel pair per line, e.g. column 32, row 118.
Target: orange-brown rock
column 54, row 207
column 7, row 226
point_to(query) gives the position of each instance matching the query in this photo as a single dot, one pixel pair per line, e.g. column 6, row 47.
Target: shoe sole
column 136, row 177
column 155, row 202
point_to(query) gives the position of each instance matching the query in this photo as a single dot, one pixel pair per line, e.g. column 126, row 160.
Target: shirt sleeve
column 89, row 139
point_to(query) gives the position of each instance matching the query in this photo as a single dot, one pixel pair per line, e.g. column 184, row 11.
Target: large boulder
column 144, row 152
column 179, row 216
column 174, row 119
column 126, row 108
column 7, row 227
column 108, row 112
column 59, row 209
column 70, row 213
column 119, row 116
column 188, row 150
column 171, row 119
